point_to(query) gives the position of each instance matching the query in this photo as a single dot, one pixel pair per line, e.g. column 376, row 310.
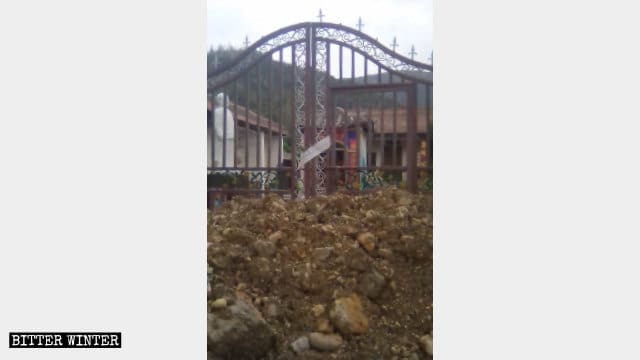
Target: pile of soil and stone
column 331, row 277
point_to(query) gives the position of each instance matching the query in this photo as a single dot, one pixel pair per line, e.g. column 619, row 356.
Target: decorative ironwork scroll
column 321, row 114
column 384, row 56
column 300, row 57
column 263, row 46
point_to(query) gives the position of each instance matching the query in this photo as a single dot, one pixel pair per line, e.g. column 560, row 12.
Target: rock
column 278, row 205
column 402, row 211
column 239, row 332
column 276, row 236
column 219, row 290
column 385, row 253
column 265, row 248
column 219, row 304
column 367, row 240
column 325, row 342
column 372, row 284
column 236, row 251
column 323, row 326
column 221, row 262
column 347, row 315
column 426, row 342
column 407, row 238
column 358, row 260
column 317, row 310
column 403, row 198
column 350, row 230
column 300, row 345
column 272, row 310
column 321, row 254
column 327, row 228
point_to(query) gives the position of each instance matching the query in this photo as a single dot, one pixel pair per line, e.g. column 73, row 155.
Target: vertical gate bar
column 314, row 107
column 394, row 154
column 329, row 113
column 292, row 124
column 365, row 69
column 328, row 66
column 340, row 59
column 246, row 122
column 379, row 74
column 235, row 124
column 332, row 151
column 269, row 116
column 280, row 106
column 309, row 184
column 258, row 111
column 370, row 132
column 213, row 130
column 382, row 129
column 353, row 66
column 358, row 136
column 412, row 152
column 430, row 126
column 224, row 128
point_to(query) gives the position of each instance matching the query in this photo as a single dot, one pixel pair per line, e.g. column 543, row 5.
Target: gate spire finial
column 359, row 24
column 320, row 15
column 413, row 52
column 395, row 44
column 246, row 41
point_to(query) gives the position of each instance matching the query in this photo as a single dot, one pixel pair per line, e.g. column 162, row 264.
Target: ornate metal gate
column 301, row 84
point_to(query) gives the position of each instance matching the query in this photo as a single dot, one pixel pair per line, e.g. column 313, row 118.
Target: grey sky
column 411, row 21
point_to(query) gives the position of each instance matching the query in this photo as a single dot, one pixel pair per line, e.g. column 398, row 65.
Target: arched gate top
column 320, row 31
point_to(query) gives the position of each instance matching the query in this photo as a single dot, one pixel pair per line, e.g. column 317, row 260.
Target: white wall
column 254, row 143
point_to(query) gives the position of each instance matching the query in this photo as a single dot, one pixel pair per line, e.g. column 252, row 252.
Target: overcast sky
column 411, row 21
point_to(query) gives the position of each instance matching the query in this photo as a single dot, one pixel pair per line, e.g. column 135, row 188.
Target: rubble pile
column 331, row 277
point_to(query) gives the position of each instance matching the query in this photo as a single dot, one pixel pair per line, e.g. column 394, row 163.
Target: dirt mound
column 339, row 277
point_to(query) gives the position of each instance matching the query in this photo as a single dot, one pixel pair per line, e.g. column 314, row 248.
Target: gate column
column 309, row 110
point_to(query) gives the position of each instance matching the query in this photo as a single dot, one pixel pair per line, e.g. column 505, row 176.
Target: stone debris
column 426, row 342
column 323, row 326
column 272, row 311
column 321, row 254
column 372, row 284
column 240, row 332
column 368, row 241
column 265, row 248
column 300, row 345
column 219, row 304
column 347, row 315
column 353, row 274
column 325, row 342
column 317, row 310
column 276, row 236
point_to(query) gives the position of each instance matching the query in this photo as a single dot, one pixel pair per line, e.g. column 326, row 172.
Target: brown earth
column 356, row 271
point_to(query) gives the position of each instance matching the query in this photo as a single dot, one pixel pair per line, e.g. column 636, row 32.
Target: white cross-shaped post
column 320, row 15
column 394, row 45
column 360, row 24
column 413, row 52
